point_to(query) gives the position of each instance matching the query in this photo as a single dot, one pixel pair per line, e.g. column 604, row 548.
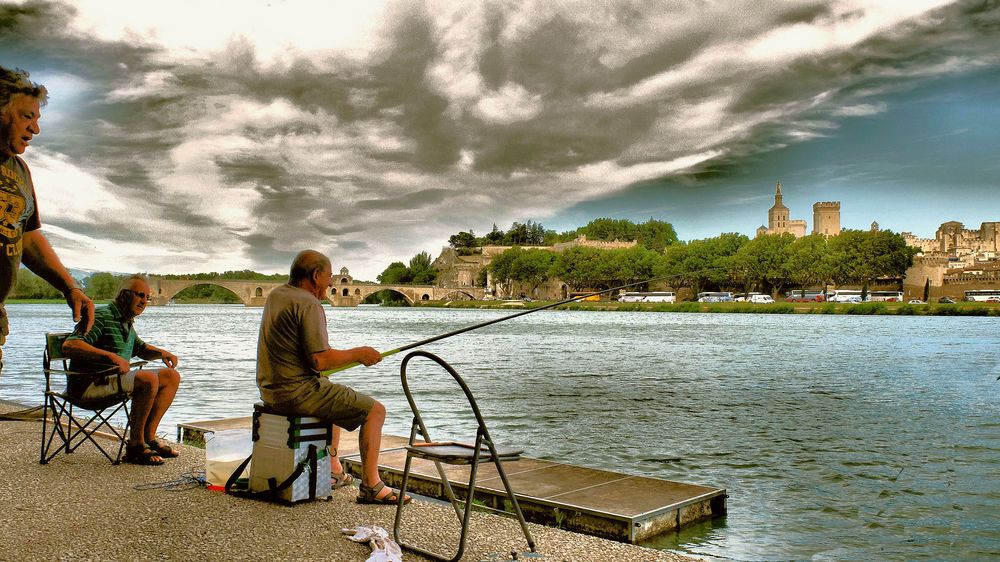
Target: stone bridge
column 344, row 292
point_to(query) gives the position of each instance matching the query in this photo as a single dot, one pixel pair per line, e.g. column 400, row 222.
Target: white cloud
column 66, row 192
column 512, row 103
column 159, row 83
column 195, row 29
column 861, row 110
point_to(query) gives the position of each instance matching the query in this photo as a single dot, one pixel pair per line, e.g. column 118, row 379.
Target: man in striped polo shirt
column 112, row 341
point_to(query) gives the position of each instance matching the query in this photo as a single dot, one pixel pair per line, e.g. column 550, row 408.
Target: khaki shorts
column 336, row 403
column 109, row 386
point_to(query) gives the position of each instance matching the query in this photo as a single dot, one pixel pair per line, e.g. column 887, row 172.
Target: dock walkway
column 602, row 503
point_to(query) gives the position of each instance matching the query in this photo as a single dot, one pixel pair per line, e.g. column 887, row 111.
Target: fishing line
column 515, row 315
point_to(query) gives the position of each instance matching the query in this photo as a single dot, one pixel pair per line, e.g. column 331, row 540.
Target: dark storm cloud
column 111, row 229
column 416, row 200
column 353, row 245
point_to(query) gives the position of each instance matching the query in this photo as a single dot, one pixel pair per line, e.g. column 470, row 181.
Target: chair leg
column 514, row 504
column 464, row 514
column 45, row 434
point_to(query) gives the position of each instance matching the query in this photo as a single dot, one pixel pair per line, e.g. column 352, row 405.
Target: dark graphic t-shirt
column 18, row 215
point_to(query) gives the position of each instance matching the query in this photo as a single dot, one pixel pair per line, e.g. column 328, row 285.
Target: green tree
column 464, row 243
column 763, row 262
column 396, row 274
column 863, row 256
column 31, row 286
column 502, row 270
column 102, row 285
column 421, row 272
column 656, row 235
column 806, row 258
column 701, row 264
column 579, row 267
column 533, row 267
column 494, row 238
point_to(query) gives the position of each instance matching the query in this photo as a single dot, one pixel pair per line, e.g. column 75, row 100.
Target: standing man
column 292, row 349
column 113, row 341
column 22, row 241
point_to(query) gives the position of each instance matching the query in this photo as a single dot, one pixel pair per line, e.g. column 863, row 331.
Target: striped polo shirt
column 111, row 332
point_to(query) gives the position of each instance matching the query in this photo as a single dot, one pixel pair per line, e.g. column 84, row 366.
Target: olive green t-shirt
column 18, row 214
column 292, row 329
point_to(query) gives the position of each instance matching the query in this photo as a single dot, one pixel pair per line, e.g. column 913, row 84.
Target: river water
column 836, row 437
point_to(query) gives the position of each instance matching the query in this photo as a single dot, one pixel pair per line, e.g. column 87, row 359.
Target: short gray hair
column 14, row 82
column 305, row 263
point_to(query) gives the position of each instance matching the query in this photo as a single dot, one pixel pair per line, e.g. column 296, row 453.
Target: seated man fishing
column 293, row 348
column 113, row 342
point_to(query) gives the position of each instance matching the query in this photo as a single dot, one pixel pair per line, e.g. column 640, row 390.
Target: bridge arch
column 250, row 293
column 454, row 295
column 378, row 289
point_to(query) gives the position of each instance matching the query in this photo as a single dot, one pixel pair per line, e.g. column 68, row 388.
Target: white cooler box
column 291, row 456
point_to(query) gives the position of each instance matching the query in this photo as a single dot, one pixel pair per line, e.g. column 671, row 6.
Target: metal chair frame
column 452, row 453
column 70, row 430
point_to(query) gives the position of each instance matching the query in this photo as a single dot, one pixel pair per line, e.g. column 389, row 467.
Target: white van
column 761, row 299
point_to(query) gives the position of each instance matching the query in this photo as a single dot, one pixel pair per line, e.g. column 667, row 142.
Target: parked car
column 806, row 296
column 946, row 300
column 761, row 299
column 852, row 299
column 993, row 299
column 916, row 301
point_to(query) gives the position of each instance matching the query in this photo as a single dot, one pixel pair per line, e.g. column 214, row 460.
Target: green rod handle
column 355, row 363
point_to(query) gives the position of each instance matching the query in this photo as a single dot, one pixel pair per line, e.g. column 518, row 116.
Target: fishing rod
column 512, row 316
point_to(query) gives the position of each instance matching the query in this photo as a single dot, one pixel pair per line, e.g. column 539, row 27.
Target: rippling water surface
column 837, row 437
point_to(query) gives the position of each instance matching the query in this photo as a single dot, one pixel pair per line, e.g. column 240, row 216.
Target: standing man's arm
column 39, row 257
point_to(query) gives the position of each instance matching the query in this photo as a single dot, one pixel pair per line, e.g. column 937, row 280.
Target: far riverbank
column 865, row 308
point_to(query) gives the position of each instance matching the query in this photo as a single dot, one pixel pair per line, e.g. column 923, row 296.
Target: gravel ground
column 80, row 507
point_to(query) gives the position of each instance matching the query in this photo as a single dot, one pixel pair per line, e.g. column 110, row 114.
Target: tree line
column 652, row 234
column 729, row 262
column 104, row 285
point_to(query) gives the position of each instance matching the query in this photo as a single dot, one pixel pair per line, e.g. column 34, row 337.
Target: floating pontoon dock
column 585, row 500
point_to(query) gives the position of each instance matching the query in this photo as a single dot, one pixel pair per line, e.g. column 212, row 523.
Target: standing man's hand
column 83, row 309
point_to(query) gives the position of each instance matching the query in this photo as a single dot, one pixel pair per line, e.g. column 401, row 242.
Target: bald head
column 305, row 263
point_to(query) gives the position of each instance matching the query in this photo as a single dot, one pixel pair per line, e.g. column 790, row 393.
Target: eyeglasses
column 139, row 294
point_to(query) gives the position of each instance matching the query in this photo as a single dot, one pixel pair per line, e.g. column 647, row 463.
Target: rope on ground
column 187, row 481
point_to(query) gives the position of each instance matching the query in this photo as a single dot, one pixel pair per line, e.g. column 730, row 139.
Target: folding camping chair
column 71, row 431
column 453, row 453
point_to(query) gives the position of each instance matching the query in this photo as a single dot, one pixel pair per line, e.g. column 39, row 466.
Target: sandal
column 141, row 454
column 162, row 448
column 370, row 495
column 340, row 479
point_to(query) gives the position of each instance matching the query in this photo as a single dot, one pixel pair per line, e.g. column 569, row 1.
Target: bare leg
column 335, row 466
column 370, row 441
column 168, row 380
column 143, row 393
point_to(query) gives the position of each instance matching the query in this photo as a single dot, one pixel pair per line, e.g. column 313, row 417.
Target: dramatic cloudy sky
column 191, row 136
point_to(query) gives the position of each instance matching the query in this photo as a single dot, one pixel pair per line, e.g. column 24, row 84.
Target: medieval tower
column 826, row 218
column 778, row 221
